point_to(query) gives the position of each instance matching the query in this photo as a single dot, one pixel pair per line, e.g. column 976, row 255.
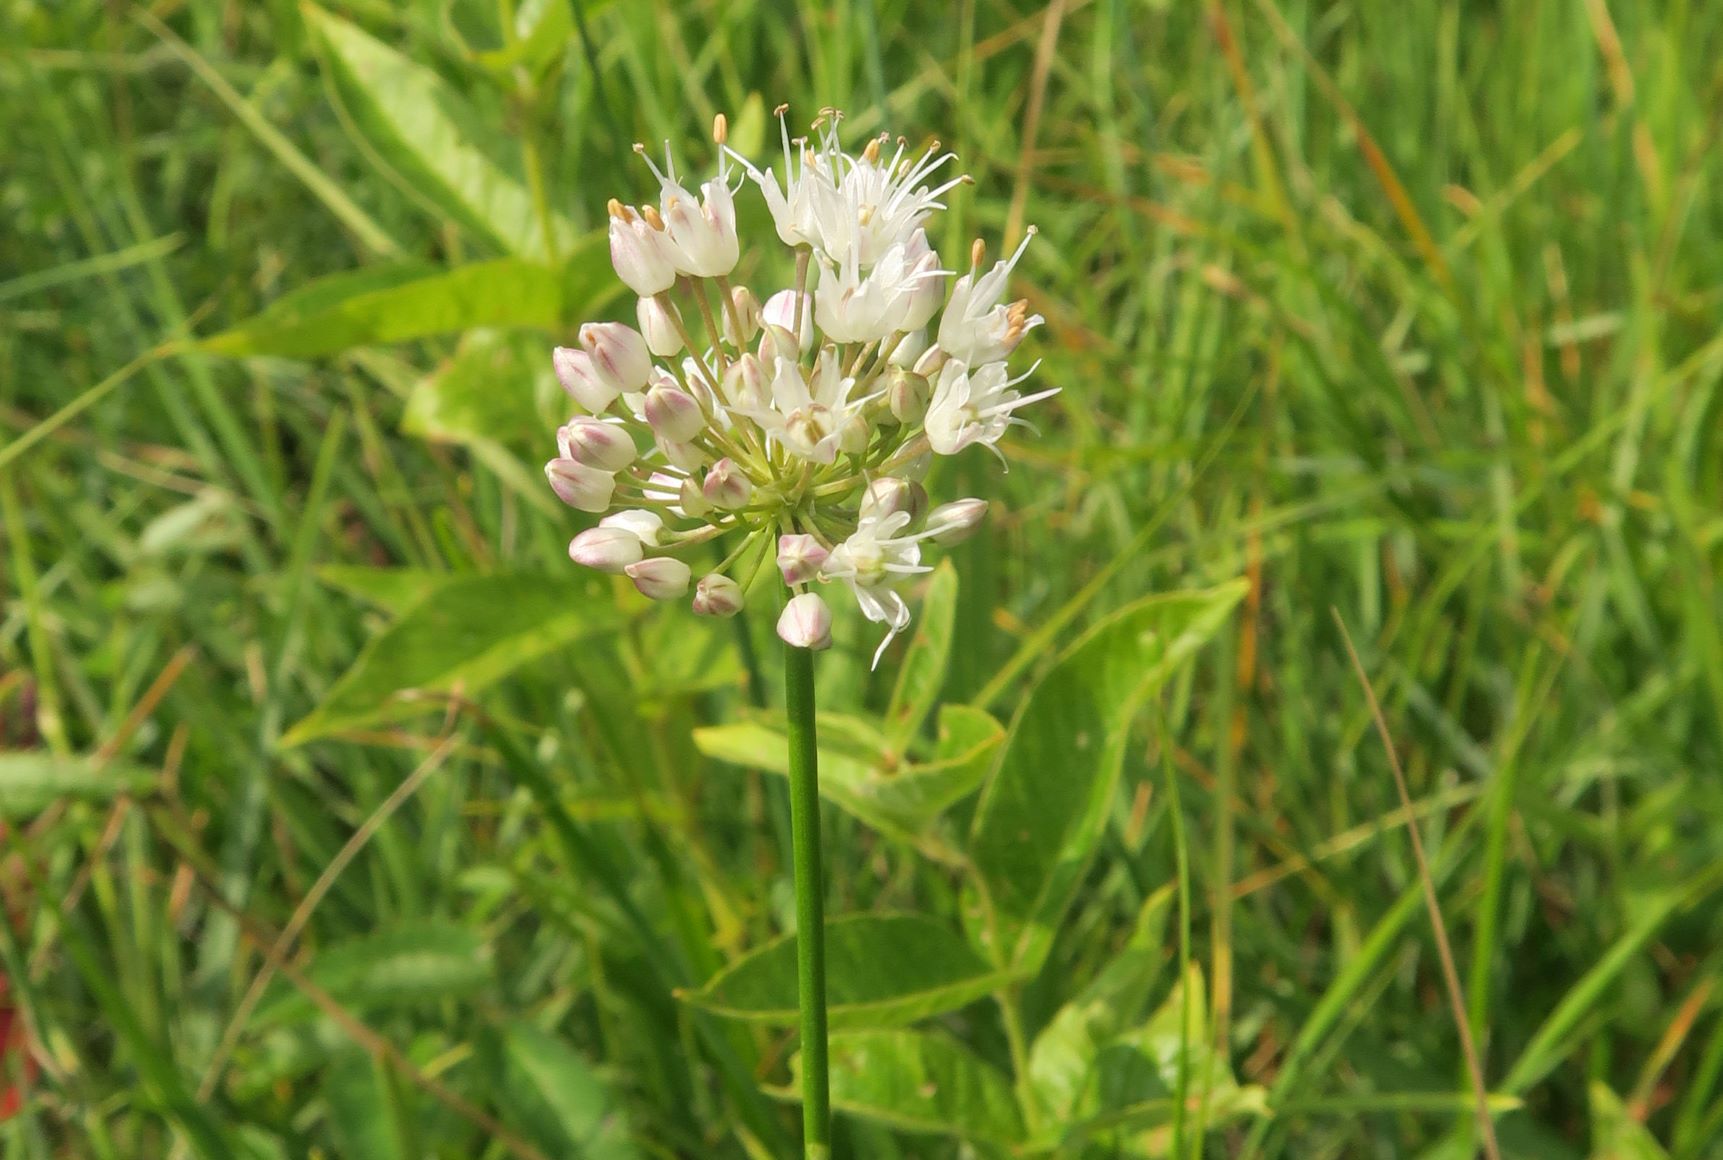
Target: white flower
column 641, row 250
column 845, row 206
column 976, row 328
column 702, row 231
column 808, row 411
column 974, row 406
column 780, row 311
column 899, row 294
column 873, row 559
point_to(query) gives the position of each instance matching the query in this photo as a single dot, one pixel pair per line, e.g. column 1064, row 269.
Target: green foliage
column 1409, row 311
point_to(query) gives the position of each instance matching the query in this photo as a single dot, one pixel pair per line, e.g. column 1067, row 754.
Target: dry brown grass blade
column 1444, row 951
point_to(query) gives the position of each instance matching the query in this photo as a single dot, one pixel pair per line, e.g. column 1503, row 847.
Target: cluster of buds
column 803, row 424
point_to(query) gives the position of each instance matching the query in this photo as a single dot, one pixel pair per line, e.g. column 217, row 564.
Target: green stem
column 810, row 901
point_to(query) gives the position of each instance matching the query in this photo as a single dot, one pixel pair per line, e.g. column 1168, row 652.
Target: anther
column 720, row 129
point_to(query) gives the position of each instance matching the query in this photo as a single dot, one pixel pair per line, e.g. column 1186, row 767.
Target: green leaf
column 882, row 970
column 405, row 965
column 465, row 635
column 423, row 130
column 858, row 773
column 32, row 780
column 1062, row 1059
column 394, row 590
column 1135, row 1080
column 360, row 1120
column 1615, row 1134
column 921, row 1082
column 1045, row 809
column 923, row 670
column 496, row 387
column 553, row 1096
column 346, row 311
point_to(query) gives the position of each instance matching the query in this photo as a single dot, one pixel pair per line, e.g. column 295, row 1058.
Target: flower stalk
column 810, row 900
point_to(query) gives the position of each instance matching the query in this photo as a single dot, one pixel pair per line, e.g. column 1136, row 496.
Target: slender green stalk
column 810, row 901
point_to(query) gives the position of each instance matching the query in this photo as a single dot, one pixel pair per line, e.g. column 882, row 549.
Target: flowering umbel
column 804, row 424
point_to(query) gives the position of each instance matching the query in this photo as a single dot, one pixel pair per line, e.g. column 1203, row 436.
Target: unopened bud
column 605, row 549
column 717, row 595
column 660, row 578
column 855, row 435
column 909, row 348
column 806, row 622
column 686, row 456
column 585, row 488
column 578, row 376
column 800, row 558
column 661, row 325
column 746, row 385
column 727, row 486
column 692, row 500
column 618, row 353
column 745, row 313
column 780, row 311
column 673, row 414
column 640, row 250
column 605, row 446
column 647, row 526
column 907, row 396
column 888, row 495
column 930, row 361
column 776, row 342
column 954, row 522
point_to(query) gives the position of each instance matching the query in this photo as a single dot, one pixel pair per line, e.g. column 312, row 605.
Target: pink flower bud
column 780, row 311
column 619, row 354
column 727, row 486
column 930, row 362
column 746, row 385
column 887, row 496
column 745, row 309
column 674, row 414
column 578, row 376
column 855, row 434
column 661, row 325
column 692, row 500
column 806, row 622
column 660, row 578
column 641, row 253
column 776, row 342
column 952, row 523
column 648, row 527
column 605, row 446
column 579, row 486
column 800, row 558
column 717, row 595
column 605, row 549
column 907, row 396
column 687, row 456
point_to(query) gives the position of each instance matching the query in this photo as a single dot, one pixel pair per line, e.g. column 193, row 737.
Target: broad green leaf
column 357, row 310
column 1615, row 1134
column 1044, row 811
column 464, row 636
column 923, row 670
column 858, row 773
column 32, row 780
column 1062, row 1059
column 394, row 590
column 882, row 970
column 1135, row 1079
column 405, row 965
column 360, row 1121
column 422, row 128
column 497, row 387
column 921, row 1082
column 553, row 1097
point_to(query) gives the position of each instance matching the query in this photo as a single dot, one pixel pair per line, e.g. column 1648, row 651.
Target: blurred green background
column 1405, row 310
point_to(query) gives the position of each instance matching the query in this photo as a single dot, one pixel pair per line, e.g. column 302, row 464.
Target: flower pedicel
column 804, row 423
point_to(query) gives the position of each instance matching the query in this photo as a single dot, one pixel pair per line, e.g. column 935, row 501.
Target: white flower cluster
column 805, row 423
